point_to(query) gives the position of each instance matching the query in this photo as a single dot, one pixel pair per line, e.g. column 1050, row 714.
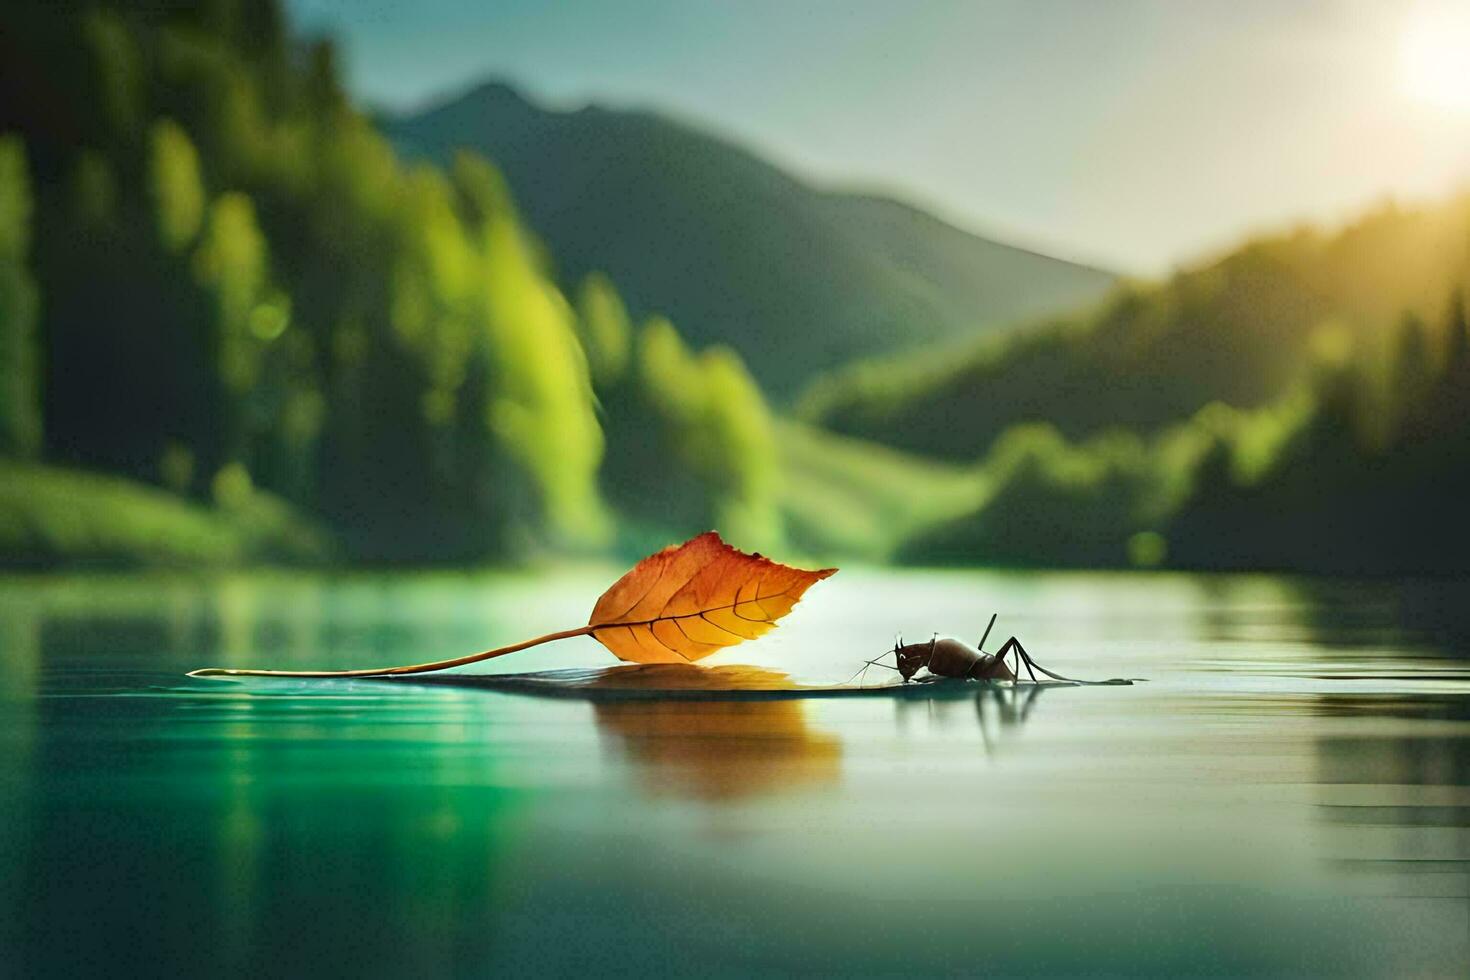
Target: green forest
column 237, row 324
column 221, row 283
column 1299, row 403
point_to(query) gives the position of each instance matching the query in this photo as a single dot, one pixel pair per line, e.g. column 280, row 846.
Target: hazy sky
column 1137, row 133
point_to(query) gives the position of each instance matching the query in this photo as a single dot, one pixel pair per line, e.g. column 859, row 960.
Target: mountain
column 734, row 250
column 1238, row 329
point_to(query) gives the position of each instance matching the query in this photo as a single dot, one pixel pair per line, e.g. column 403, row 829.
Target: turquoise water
column 1289, row 792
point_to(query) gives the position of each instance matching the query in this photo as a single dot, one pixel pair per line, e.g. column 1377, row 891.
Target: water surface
column 1289, row 793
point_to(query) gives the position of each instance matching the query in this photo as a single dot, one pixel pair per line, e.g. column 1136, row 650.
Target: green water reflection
column 1289, row 793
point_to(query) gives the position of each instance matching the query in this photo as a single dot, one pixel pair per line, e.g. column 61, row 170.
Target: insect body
column 949, row 657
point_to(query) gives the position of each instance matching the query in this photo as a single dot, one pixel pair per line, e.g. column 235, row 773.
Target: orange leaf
column 676, row 606
column 692, row 599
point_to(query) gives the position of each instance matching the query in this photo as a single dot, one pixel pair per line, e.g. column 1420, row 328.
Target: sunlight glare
column 1434, row 56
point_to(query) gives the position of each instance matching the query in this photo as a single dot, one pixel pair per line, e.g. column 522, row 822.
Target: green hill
column 50, row 515
column 217, row 275
column 1297, row 404
column 1240, row 330
column 1363, row 469
column 794, row 278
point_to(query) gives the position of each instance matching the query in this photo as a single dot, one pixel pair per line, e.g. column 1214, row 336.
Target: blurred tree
column 1457, row 338
column 1410, row 379
column 231, row 262
column 20, row 409
column 736, row 451
column 176, row 186
column 542, row 410
column 603, row 326
column 694, row 445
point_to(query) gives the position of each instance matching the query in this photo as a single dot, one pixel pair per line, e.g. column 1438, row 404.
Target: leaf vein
column 691, row 615
column 719, row 627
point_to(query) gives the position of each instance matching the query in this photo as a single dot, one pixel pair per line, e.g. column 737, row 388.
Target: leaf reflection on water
column 706, row 733
column 720, row 750
column 733, row 731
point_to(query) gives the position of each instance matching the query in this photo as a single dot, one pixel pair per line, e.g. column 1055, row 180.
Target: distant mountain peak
column 733, row 249
column 496, row 90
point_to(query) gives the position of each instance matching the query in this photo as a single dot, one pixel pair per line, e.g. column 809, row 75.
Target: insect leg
column 1058, row 677
column 1005, row 651
column 1032, row 666
column 1014, row 644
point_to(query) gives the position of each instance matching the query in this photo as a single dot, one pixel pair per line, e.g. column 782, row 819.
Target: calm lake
column 1288, row 793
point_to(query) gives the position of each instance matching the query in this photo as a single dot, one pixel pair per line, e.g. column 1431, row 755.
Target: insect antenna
column 875, row 662
column 863, row 669
column 981, row 645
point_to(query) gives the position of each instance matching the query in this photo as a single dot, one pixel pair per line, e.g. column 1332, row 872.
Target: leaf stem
column 385, row 671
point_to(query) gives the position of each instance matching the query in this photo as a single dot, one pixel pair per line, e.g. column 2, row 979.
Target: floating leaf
column 676, row 606
column 691, row 600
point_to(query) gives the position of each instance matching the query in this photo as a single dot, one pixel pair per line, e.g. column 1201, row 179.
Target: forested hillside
column 216, row 277
column 236, row 325
column 1363, row 468
column 1240, row 329
column 1301, row 403
column 735, row 250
